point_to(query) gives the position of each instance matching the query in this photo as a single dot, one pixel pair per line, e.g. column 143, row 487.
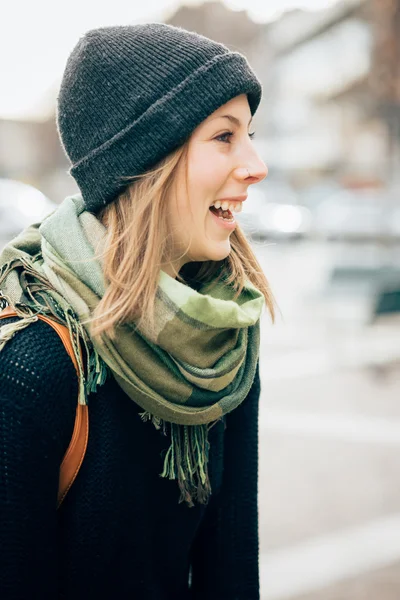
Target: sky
column 36, row 37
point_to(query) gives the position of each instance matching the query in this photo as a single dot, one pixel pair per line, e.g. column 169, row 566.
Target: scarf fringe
column 186, row 459
column 8, row 331
column 97, row 372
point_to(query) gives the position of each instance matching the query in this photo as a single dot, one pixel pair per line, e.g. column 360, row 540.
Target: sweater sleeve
column 225, row 555
column 36, row 421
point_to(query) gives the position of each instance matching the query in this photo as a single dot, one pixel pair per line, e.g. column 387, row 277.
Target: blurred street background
column 325, row 226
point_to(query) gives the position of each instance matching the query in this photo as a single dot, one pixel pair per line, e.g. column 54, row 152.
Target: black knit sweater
column 120, row 532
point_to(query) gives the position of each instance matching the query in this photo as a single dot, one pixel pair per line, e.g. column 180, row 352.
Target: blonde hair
column 137, row 241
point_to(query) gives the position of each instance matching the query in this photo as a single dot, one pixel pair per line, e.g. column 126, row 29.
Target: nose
column 257, row 173
column 253, row 173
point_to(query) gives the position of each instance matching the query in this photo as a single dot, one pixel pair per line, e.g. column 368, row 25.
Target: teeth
column 232, row 206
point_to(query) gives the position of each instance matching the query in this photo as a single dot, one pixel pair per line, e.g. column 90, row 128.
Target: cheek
column 207, row 172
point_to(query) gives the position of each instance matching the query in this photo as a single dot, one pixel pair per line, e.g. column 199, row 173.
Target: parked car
column 262, row 219
column 20, row 206
column 357, row 215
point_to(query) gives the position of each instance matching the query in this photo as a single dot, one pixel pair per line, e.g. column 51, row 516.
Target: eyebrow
column 232, row 119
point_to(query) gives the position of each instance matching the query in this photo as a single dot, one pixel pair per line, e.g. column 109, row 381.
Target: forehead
column 238, row 107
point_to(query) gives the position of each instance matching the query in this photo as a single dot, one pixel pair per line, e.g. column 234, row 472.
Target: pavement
column 329, row 439
column 329, row 485
column 376, row 585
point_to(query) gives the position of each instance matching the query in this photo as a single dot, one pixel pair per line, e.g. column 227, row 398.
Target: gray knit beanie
column 132, row 94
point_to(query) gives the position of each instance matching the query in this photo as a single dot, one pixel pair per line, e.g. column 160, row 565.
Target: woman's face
column 220, row 157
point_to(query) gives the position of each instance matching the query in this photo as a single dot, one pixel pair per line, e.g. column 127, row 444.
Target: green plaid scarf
column 197, row 365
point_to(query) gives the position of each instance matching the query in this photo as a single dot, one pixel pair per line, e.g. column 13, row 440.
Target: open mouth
column 225, row 215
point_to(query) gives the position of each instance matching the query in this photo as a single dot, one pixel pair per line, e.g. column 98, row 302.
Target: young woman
column 162, row 296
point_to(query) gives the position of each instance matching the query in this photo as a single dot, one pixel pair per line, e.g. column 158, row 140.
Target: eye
column 228, row 134
column 223, row 136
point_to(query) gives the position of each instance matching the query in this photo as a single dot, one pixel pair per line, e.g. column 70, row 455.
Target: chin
column 220, row 252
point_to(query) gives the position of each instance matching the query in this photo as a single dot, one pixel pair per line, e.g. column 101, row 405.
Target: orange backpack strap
column 75, row 453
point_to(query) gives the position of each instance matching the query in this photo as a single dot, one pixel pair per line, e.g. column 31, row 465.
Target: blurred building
column 216, row 21
column 31, row 152
column 384, row 80
column 325, row 116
